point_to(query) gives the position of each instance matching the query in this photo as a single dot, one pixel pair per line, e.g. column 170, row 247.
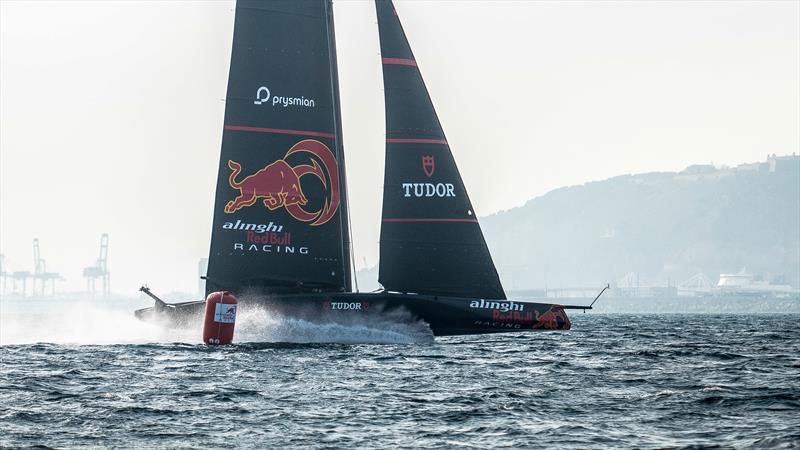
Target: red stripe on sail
column 472, row 219
column 278, row 131
column 400, row 62
column 416, row 141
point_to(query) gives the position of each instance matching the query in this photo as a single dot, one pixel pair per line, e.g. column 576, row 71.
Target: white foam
column 101, row 322
column 261, row 325
column 81, row 322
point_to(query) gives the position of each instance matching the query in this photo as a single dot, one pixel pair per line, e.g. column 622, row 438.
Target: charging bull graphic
column 554, row 319
column 278, row 184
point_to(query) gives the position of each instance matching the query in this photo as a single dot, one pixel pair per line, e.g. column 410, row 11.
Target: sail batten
column 429, row 219
column 278, row 131
column 400, row 61
column 415, row 141
column 431, row 241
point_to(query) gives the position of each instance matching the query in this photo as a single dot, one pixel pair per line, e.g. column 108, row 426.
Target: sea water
column 86, row 373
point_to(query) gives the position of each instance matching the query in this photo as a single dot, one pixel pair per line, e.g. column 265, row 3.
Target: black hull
column 446, row 316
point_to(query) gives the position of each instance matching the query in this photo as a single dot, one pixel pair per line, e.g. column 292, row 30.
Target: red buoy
column 220, row 318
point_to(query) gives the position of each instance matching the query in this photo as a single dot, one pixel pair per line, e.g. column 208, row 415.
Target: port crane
column 99, row 270
column 40, row 272
column 17, row 277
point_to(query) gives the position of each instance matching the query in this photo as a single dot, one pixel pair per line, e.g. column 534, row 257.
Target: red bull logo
column 512, row 315
column 554, row 319
column 224, row 313
column 277, row 185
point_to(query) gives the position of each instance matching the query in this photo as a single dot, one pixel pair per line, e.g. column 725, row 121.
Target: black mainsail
column 280, row 221
column 431, row 242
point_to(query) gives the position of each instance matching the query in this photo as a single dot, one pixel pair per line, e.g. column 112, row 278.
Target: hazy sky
column 111, row 113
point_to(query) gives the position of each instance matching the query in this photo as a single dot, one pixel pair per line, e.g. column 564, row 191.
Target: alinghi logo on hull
column 500, row 306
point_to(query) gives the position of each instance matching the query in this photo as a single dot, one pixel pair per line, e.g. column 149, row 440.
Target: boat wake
column 261, row 325
column 83, row 322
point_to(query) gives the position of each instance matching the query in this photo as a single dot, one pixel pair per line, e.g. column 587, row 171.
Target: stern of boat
column 555, row 318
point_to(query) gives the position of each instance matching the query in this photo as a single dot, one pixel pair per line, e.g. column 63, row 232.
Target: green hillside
column 666, row 227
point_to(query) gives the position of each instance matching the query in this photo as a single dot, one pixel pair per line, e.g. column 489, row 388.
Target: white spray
column 101, row 322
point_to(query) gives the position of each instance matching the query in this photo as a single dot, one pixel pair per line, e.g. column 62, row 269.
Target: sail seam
column 416, row 141
column 400, row 62
column 279, row 131
column 389, row 219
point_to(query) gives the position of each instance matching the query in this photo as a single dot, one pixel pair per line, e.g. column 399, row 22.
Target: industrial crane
column 99, row 270
column 40, row 272
column 17, row 277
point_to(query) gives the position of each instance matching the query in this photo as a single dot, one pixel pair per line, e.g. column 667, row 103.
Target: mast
column 431, row 241
column 279, row 216
column 347, row 244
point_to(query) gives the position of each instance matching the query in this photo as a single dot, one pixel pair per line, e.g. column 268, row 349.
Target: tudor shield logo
column 428, row 165
column 428, row 189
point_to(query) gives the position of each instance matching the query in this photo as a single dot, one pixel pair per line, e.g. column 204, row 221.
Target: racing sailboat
column 280, row 237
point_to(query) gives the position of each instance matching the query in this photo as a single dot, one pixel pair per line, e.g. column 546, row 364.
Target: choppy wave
column 613, row 381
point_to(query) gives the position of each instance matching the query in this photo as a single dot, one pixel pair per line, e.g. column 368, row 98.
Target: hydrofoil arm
column 159, row 303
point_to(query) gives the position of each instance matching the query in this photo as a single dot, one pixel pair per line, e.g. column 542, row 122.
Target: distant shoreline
column 686, row 305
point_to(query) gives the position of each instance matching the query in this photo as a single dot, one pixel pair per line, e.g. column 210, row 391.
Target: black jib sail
column 280, row 221
column 431, row 242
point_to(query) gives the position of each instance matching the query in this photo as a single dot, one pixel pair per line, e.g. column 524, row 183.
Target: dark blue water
column 613, row 381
